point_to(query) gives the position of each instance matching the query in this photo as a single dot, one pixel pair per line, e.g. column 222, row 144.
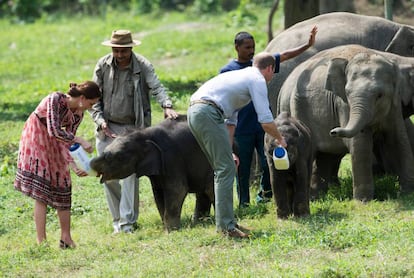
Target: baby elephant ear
column 335, row 77
column 405, row 86
column 152, row 162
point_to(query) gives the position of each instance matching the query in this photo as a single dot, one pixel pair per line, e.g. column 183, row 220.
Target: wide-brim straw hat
column 121, row 38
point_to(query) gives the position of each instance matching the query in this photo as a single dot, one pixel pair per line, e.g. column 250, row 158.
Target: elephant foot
column 281, row 214
column 301, row 210
column 283, row 209
column 201, row 218
column 172, row 225
column 316, row 193
column 169, row 229
column 363, row 193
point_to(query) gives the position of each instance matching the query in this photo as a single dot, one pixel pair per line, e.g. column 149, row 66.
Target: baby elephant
column 291, row 187
column 170, row 156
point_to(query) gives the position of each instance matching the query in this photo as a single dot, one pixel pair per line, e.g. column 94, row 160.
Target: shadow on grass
column 322, row 215
column 406, row 202
column 386, row 188
column 187, row 221
column 252, row 211
column 16, row 111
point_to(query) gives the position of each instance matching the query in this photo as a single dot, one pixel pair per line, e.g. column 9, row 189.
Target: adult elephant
column 336, row 29
column 170, row 156
column 349, row 96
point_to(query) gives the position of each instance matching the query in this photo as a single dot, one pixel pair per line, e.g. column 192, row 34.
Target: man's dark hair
column 241, row 36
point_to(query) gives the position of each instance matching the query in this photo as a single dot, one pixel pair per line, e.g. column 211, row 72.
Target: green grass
column 341, row 238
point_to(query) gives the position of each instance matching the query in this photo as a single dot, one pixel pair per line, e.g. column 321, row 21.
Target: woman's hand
column 87, row 147
column 78, row 172
column 85, row 144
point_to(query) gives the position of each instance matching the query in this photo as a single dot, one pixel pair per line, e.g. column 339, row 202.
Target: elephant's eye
column 107, row 156
column 380, row 95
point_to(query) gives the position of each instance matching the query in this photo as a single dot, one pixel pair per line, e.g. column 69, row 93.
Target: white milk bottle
column 280, row 158
column 81, row 158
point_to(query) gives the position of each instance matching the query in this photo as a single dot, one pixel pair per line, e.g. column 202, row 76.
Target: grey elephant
column 385, row 158
column 336, row 29
column 291, row 187
column 349, row 96
column 170, row 156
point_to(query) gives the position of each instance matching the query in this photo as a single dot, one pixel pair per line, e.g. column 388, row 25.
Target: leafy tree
column 207, row 6
column 25, row 10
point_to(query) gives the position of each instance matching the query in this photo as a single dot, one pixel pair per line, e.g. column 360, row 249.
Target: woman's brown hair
column 89, row 89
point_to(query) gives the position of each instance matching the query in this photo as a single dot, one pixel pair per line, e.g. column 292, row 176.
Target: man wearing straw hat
column 127, row 81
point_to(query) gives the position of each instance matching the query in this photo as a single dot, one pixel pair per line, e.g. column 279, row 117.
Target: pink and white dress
column 43, row 159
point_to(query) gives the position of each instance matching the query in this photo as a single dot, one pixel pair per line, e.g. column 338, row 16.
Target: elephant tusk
column 101, row 180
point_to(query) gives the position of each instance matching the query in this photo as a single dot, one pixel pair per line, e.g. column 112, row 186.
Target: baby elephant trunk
column 358, row 120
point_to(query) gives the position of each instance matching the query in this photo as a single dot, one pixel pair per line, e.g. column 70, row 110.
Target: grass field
column 341, row 238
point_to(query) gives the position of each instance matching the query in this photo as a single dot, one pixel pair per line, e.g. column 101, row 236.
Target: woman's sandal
column 64, row 245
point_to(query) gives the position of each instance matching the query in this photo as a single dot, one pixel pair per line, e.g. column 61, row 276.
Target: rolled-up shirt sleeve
column 157, row 90
column 96, row 111
column 233, row 119
column 260, row 101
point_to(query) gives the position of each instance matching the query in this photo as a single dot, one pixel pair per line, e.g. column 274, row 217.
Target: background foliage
column 30, row 10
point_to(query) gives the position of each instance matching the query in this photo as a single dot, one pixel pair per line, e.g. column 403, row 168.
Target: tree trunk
column 299, row 10
column 270, row 20
column 327, row 6
column 304, row 9
column 388, row 9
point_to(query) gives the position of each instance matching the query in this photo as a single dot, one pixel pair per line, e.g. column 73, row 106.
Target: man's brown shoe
column 235, row 233
column 245, row 230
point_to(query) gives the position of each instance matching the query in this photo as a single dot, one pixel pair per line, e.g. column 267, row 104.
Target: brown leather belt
column 208, row 102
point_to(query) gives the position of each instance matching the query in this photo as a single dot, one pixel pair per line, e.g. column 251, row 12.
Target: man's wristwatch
column 167, row 105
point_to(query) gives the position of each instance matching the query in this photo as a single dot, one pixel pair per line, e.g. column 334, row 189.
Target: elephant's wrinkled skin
column 336, row 29
column 349, row 96
column 172, row 159
column 291, row 187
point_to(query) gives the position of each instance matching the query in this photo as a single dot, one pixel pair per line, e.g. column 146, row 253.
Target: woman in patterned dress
column 44, row 160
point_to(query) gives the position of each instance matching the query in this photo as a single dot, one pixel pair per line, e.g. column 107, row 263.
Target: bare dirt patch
column 181, row 27
column 402, row 13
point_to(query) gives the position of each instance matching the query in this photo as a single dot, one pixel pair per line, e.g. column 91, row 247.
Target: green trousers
column 208, row 127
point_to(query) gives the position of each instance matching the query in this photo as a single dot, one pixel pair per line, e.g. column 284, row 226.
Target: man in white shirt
column 212, row 117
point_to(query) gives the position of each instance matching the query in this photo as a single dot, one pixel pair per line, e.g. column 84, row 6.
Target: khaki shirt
column 126, row 93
